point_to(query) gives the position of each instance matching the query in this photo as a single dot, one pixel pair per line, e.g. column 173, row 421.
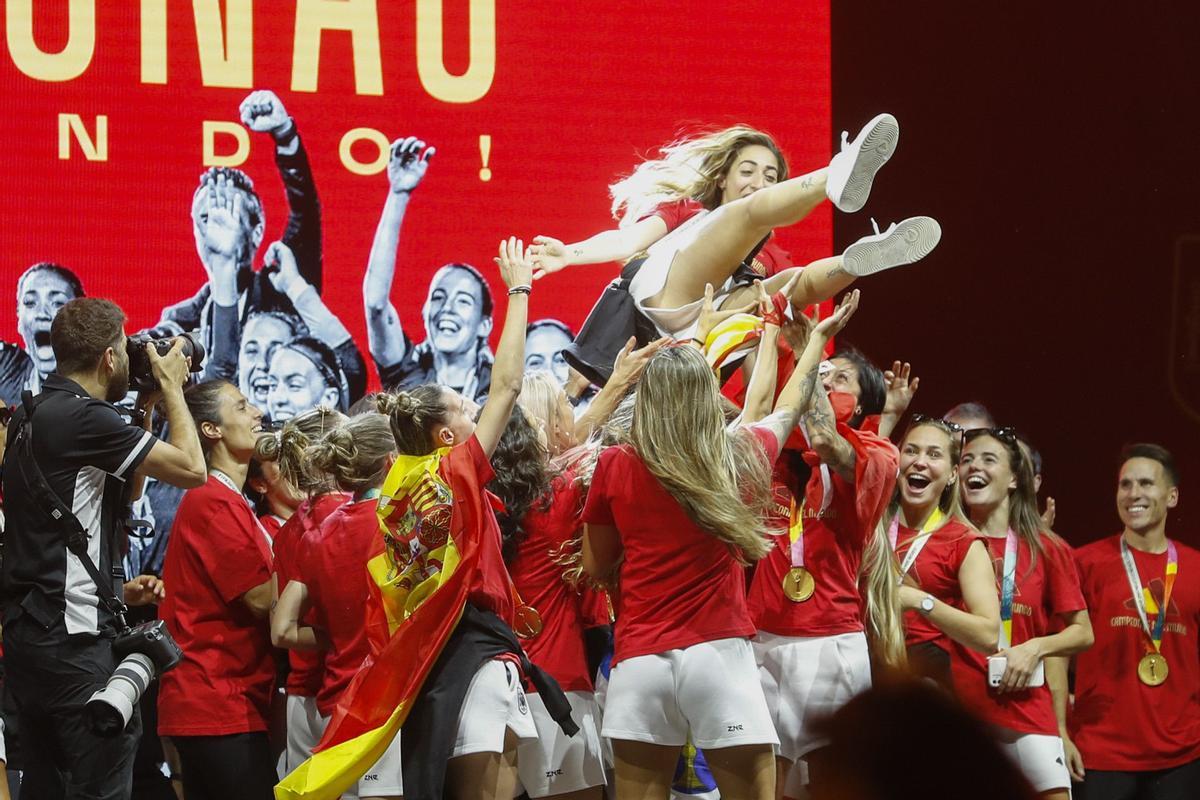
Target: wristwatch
column 926, row 606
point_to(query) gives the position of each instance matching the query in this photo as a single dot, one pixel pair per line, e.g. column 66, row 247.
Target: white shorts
column 495, row 703
column 305, row 726
column 383, row 779
column 555, row 763
column 806, row 679
column 708, row 689
column 1039, row 755
column 652, row 277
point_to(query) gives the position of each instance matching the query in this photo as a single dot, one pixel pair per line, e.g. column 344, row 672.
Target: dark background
column 1060, row 150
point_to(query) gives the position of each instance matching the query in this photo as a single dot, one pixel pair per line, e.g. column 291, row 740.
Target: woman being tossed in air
column 672, row 517
column 702, row 211
column 1039, row 594
column 949, row 591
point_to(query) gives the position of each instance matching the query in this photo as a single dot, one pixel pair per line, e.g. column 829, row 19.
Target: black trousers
column 1177, row 783
column 51, row 677
column 237, row 766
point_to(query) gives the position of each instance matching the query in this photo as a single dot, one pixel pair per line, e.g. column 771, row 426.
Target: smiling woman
column 304, row 374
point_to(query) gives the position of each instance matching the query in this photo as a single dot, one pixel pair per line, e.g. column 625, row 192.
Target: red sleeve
column 597, row 511
column 767, row 440
column 875, row 463
column 479, row 460
column 228, row 552
column 675, row 213
column 1063, row 594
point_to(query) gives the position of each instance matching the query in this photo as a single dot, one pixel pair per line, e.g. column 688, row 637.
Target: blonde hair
column 721, row 478
column 539, row 399
column 691, row 168
column 356, row 454
column 883, row 615
column 286, row 447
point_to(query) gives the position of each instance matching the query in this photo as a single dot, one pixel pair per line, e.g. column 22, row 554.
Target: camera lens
column 110, row 709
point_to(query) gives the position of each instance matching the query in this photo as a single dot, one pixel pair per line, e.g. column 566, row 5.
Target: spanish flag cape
column 421, row 569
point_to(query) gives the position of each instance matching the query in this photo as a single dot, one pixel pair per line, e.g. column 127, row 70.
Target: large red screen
column 568, row 96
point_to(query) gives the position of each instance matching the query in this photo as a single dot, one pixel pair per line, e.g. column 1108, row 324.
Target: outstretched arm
column 263, row 111
column 406, row 168
column 803, row 389
column 285, row 276
column 627, row 369
column 551, row 255
column 516, row 267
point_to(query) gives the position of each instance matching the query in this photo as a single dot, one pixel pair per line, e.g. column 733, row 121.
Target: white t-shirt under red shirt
column 1120, row 723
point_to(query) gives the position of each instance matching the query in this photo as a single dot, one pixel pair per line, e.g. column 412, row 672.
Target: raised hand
column 833, row 324
column 711, row 317
column 515, row 262
column 282, row 271
column 901, row 387
column 222, row 225
column 262, row 111
column 407, row 164
column 549, row 255
column 629, row 363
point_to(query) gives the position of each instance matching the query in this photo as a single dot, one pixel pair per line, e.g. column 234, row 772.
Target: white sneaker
column 903, row 243
column 851, row 172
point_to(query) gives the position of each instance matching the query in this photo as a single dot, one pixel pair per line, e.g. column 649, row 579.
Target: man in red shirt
column 1136, row 720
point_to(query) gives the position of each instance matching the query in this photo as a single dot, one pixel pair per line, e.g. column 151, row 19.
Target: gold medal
column 798, row 584
column 527, row 622
column 1152, row 669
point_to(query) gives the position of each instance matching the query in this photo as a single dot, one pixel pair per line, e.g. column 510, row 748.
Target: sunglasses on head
column 1006, row 434
column 945, row 424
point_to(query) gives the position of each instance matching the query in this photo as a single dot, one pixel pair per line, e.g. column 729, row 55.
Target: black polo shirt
column 87, row 449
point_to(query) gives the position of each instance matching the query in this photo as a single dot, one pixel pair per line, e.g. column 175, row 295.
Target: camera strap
column 47, row 499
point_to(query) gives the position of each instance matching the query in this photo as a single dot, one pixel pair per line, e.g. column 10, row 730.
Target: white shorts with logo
column 305, row 726
column 555, row 763
column 383, row 779
column 708, row 689
column 495, row 703
column 1040, row 756
column 806, row 679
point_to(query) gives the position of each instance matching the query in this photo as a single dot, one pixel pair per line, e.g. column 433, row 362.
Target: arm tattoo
column 836, row 271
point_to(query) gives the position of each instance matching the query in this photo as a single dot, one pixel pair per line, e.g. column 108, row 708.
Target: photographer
column 58, row 633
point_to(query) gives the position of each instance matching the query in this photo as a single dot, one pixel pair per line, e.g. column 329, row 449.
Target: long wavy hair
column 721, row 478
column 287, row 448
column 691, row 167
column 540, row 397
column 522, row 479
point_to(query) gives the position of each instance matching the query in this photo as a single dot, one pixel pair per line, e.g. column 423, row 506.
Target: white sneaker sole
column 848, row 187
column 912, row 240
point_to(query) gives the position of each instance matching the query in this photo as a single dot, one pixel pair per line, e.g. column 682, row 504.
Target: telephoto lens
column 110, row 709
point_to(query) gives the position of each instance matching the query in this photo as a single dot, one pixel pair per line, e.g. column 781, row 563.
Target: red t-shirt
column 272, row 524
column 305, row 666
column 216, row 553
column 680, row 585
column 936, row 571
column 769, row 260
column 833, row 547
column 333, row 565
column 1120, row 723
column 559, row 648
column 1050, row 589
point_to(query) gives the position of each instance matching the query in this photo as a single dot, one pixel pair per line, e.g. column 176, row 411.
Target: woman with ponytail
column 673, row 516
column 330, row 577
column 825, row 598
column 948, row 591
column 1039, row 594
column 283, row 453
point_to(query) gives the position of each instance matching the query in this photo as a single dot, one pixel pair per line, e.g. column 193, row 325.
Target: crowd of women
column 671, row 590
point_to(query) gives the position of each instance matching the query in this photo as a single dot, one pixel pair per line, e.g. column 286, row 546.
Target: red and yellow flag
column 420, row 575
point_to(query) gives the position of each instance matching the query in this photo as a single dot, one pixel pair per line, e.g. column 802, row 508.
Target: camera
column 141, row 377
column 145, row 651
